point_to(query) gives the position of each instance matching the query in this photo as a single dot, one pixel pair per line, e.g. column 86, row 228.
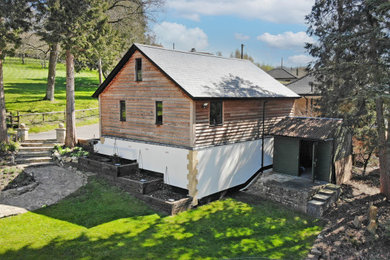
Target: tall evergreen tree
column 352, row 67
column 14, row 18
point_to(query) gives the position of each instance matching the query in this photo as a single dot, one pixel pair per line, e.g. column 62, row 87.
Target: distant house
column 305, row 87
column 282, row 74
column 201, row 120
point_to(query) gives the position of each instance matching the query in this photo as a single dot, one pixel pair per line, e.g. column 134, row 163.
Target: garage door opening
column 306, row 159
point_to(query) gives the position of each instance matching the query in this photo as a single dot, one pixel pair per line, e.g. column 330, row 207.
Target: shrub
column 75, row 152
column 10, row 147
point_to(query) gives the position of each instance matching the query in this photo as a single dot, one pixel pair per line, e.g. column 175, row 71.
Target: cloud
column 241, row 37
column 300, row 60
column 184, row 38
column 286, row 40
column 278, row 11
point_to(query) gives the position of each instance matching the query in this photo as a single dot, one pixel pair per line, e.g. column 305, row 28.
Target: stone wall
column 293, row 192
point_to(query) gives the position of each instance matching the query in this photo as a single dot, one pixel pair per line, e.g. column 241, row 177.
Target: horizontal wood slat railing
column 47, row 117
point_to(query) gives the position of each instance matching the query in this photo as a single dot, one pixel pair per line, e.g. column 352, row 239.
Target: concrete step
column 35, row 149
column 316, row 208
column 25, row 154
column 322, row 197
column 37, row 144
column 33, row 160
column 37, row 164
column 46, row 141
column 331, row 193
column 334, row 187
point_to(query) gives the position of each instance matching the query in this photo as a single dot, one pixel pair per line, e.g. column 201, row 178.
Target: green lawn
column 25, row 87
column 100, row 222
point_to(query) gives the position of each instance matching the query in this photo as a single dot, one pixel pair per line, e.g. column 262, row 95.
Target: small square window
column 122, row 112
column 138, row 69
column 159, row 112
column 216, row 113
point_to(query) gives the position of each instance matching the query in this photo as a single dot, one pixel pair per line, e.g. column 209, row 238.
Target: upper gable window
column 159, row 113
column 122, row 112
column 216, row 113
column 138, row 69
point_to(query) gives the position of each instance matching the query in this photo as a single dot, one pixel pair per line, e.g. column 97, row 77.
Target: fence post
column 18, row 115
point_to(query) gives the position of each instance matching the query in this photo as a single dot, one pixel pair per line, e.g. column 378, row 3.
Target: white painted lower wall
column 219, row 167
column 224, row 167
column 170, row 161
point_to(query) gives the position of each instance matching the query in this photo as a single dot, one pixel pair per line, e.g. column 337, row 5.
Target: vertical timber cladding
column 140, row 97
column 242, row 120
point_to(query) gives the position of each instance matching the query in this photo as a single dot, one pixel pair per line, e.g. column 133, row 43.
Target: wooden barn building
column 203, row 121
column 305, row 87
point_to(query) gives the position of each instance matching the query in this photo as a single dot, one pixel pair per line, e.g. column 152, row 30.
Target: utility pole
column 242, row 51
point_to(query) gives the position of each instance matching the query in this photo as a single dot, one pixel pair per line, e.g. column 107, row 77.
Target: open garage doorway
column 306, row 159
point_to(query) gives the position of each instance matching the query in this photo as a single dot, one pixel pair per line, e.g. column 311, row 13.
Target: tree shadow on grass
column 38, row 86
column 28, row 97
column 221, row 229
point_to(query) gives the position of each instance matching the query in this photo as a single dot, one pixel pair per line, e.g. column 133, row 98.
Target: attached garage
column 316, row 148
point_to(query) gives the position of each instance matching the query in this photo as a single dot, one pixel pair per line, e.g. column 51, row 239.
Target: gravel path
column 83, row 132
column 54, row 184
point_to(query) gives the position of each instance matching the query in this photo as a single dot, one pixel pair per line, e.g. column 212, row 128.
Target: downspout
column 262, row 138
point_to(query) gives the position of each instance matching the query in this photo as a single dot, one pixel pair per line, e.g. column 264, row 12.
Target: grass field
column 100, row 222
column 25, row 87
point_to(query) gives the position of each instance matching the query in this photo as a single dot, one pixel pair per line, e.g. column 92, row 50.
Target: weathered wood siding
column 305, row 106
column 140, row 100
column 242, row 120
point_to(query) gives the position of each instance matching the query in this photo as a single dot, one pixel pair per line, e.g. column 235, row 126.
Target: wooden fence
column 14, row 120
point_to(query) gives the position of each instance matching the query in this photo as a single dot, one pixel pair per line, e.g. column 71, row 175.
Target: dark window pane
column 216, row 113
column 122, row 110
column 138, row 69
column 159, row 112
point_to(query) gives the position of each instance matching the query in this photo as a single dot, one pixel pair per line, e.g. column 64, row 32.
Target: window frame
column 122, row 110
column 159, row 122
column 221, row 121
column 138, row 69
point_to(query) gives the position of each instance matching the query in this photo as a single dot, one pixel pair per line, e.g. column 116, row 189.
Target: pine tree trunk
column 70, row 139
column 3, row 123
column 384, row 150
column 100, row 71
column 51, row 77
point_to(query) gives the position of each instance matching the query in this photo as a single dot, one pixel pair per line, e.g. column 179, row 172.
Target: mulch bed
column 141, row 175
column 341, row 239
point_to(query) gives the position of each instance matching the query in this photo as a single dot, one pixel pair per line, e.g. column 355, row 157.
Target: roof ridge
column 189, row 52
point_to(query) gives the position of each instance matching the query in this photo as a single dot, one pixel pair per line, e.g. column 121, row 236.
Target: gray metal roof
column 208, row 76
column 306, row 127
column 303, row 86
column 281, row 74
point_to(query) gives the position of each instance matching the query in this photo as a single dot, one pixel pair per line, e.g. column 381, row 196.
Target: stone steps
column 37, row 144
column 48, row 141
column 23, row 149
column 322, row 200
column 26, row 154
column 33, row 160
column 35, row 152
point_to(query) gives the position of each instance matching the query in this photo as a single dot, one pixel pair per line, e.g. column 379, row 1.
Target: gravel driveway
column 54, row 184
